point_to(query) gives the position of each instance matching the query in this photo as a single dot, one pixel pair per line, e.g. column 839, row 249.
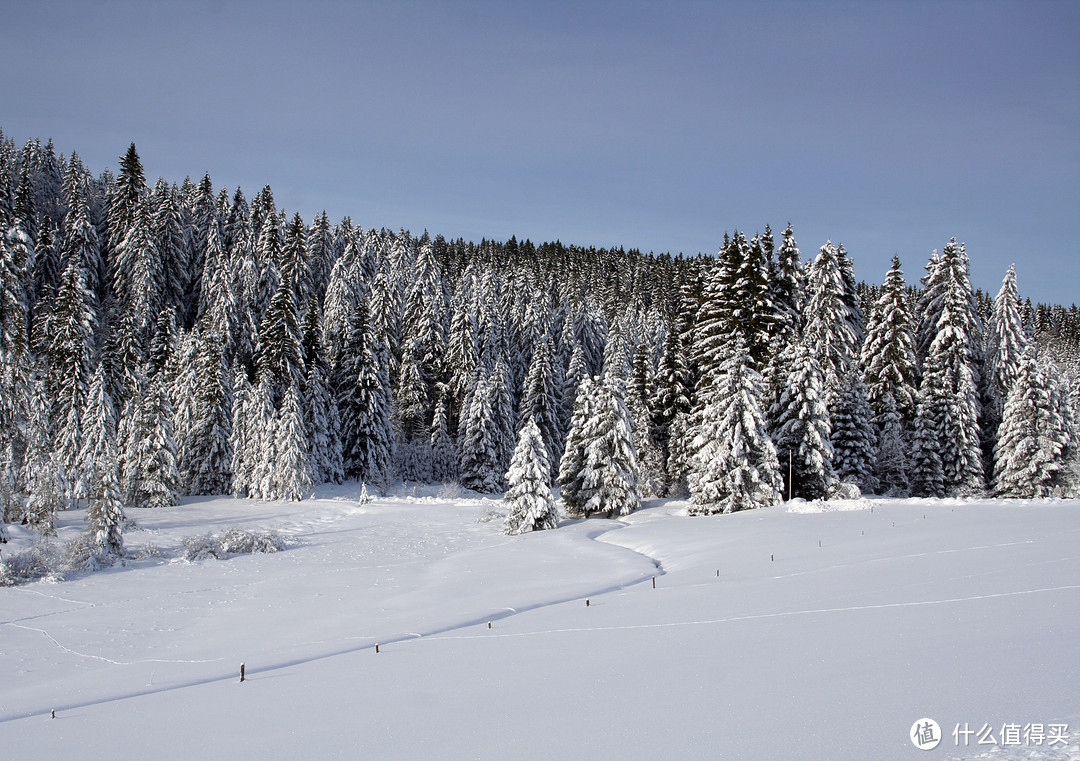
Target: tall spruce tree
column 947, row 425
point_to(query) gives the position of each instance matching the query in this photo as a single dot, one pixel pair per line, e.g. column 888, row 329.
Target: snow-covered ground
column 798, row 634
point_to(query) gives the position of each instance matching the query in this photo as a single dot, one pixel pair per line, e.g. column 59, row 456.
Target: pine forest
column 163, row 340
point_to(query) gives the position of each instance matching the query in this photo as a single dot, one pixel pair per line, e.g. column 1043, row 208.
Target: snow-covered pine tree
column 609, row 477
column 69, row 358
column 323, row 425
column 167, row 231
column 734, row 464
column 538, row 403
column 362, row 388
column 652, row 460
column 1006, row 342
column 241, row 439
column 890, row 466
column 262, row 425
column 946, row 425
column 572, row 463
column 210, row 451
column 42, row 471
column 854, row 440
column 787, row 288
column 292, row 465
column 105, row 511
column 128, row 194
column 500, row 386
column 480, row 445
column 851, row 296
column 530, row 506
column 804, row 427
column 155, row 480
column 444, row 455
column 888, row 354
column 280, row 355
column 1030, row 453
column 830, row 327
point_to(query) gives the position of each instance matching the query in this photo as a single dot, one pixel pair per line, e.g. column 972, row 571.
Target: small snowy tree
column 528, row 496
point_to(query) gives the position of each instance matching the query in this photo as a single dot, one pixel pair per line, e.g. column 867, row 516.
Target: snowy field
column 769, row 634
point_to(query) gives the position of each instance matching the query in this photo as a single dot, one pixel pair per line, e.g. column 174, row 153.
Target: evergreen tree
column 787, row 289
column 129, row 192
column 539, row 400
column 481, row 444
column 292, row 472
column 241, row 439
column 323, row 425
column 947, row 426
column 153, row 478
column 42, row 472
column 364, row 403
column 1006, row 342
column 734, row 462
column 804, row 427
column 572, row 463
column 105, row 511
column 1030, row 454
column 280, row 353
column 444, row 456
column 530, row 506
column 609, row 475
column 888, row 355
column 211, row 451
column 830, row 323
column 854, row 439
column 890, row 466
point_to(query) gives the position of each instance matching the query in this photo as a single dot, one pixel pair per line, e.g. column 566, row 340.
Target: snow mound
column 828, row 506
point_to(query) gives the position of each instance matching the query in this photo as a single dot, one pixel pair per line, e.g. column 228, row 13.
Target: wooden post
column 586, row 602
column 654, row 582
column 242, row 677
column 772, row 557
column 376, row 647
column 54, row 713
column 489, row 624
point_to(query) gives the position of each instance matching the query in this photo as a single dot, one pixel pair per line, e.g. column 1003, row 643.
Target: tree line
column 165, row 340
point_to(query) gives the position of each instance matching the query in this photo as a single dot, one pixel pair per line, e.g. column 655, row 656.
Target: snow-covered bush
column 237, row 541
column 84, row 554
column 40, row 561
column 844, row 490
column 202, row 547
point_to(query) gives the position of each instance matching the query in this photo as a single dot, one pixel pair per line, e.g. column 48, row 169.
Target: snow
column 770, row 633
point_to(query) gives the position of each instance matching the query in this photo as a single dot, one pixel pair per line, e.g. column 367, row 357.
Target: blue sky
column 887, row 126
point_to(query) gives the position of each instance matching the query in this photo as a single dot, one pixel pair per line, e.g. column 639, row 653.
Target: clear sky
column 887, row 126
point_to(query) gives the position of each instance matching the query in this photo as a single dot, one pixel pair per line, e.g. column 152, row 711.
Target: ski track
column 446, row 632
